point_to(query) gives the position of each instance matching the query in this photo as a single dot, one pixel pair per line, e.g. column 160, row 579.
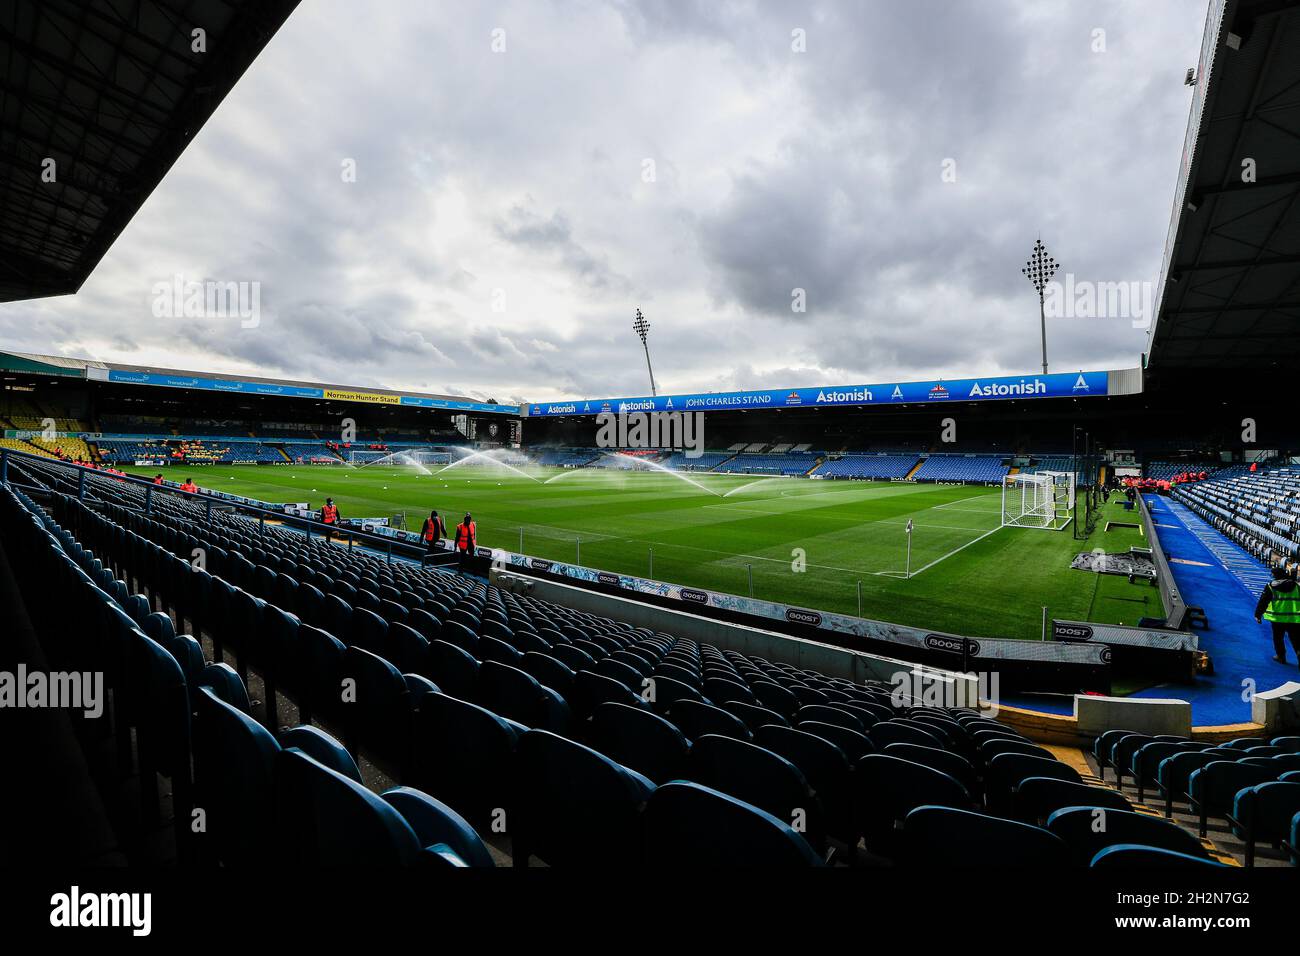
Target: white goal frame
column 1043, row 500
column 361, row 457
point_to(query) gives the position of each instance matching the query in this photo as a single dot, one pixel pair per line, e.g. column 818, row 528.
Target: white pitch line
column 955, row 550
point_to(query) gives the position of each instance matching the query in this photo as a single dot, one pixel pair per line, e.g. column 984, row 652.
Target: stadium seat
column 573, row 806
column 1212, row 788
column 435, row 823
column 893, row 732
column 1264, row 812
column 512, row 693
column 1037, row 798
column 753, row 715
column 827, row 770
column 1173, row 772
column 936, row 836
column 954, row 765
column 641, row 740
column 453, row 669
column 692, row 826
column 887, row 789
column 1006, row 771
column 322, row 748
column 323, row 818
column 462, row 754
column 1131, row 857
column 852, row 744
column 234, row 768
column 1079, row 827
column 760, row 777
column 695, row 719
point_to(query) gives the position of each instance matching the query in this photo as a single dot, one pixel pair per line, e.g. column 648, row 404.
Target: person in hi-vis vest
column 432, row 532
column 329, row 514
column 1279, row 604
column 466, row 538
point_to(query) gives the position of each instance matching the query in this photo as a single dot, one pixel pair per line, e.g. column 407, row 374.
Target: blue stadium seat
column 695, row 719
column 1035, row 799
column 1079, row 827
column 641, row 740
column 324, row 818
column 827, row 770
column 573, row 806
column 462, row 754
column 1007, row 770
column 852, row 744
column 322, row 748
column 234, row 767
column 435, row 823
column 1264, row 812
column 947, row 837
column 886, row 789
column 692, row 826
column 1130, row 857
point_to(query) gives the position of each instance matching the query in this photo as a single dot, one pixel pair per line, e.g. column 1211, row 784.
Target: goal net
column 408, row 457
column 1043, row 500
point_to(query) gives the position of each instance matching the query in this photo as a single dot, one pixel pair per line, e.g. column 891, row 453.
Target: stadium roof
column 1230, row 286
column 111, row 92
column 34, row 364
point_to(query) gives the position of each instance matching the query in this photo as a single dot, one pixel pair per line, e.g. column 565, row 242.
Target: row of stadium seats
column 963, row 468
column 789, row 464
column 707, row 461
column 117, row 451
column 303, row 611
column 563, row 457
column 1259, row 511
column 1168, row 470
column 879, row 467
column 1251, row 783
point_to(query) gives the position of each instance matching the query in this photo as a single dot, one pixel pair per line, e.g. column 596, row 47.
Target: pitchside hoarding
column 1056, row 385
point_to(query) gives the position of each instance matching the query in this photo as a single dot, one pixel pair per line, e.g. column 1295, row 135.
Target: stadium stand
column 880, row 467
column 789, row 464
column 547, row 715
column 1260, row 511
column 969, row 469
column 708, row 461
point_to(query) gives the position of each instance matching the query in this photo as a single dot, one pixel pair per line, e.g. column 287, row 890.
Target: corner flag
column 909, row 525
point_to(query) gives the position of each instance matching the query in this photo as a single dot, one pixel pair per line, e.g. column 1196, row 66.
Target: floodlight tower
column 641, row 326
column 1039, row 270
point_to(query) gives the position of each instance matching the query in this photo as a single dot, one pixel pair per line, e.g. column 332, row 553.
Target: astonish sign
column 997, row 388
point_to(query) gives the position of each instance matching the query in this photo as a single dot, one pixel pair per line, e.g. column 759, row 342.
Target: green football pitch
column 803, row 542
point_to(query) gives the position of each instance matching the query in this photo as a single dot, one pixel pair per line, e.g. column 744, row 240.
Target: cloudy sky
column 529, row 173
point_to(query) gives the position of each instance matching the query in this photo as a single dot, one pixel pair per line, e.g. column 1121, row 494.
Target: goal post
column 1042, row 500
column 407, row 456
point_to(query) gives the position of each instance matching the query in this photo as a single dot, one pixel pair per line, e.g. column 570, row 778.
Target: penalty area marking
column 901, row 574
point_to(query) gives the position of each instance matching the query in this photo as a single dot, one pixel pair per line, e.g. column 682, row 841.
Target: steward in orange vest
column 433, row 531
column 465, row 535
